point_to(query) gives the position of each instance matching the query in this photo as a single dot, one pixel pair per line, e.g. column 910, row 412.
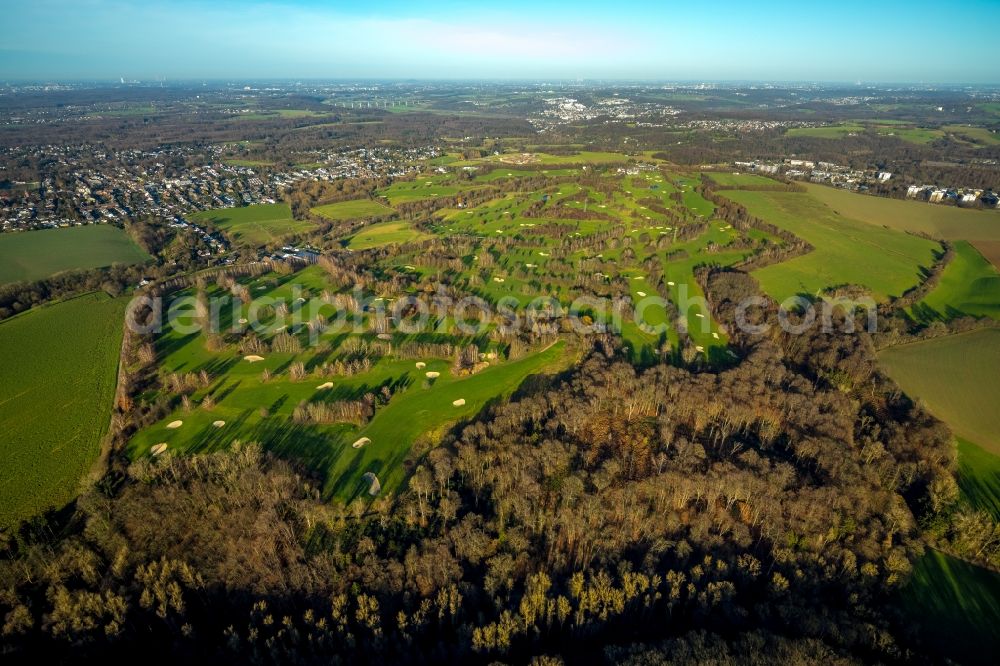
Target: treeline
column 737, row 215
column 20, row 296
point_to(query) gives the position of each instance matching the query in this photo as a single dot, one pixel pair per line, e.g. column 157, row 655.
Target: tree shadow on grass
column 221, row 390
column 218, row 367
column 305, row 444
column 166, row 346
column 925, row 314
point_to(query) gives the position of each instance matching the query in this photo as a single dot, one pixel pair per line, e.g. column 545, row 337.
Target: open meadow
column 979, row 477
column 422, row 189
column 735, row 179
column 947, row 222
column 969, row 285
column 846, row 251
column 255, row 225
column 347, row 210
column 384, row 233
column 990, row 249
column 957, row 606
column 33, row 255
column 59, row 366
column 956, row 376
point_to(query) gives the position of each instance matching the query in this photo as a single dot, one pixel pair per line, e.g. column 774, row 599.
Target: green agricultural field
column 349, row 210
column 726, row 179
column 957, row 607
column 991, row 108
column 917, row 135
column 384, row 233
column 990, row 251
column 255, row 225
column 846, row 251
column 977, row 135
column 33, row 255
column 59, row 367
column 956, row 376
column 970, row 285
column 946, row 222
column 979, row 477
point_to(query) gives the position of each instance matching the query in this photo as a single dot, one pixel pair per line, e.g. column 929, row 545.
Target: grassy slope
column 969, row 285
column 727, row 179
column 384, row 233
column 957, row 606
column 846, row 251
column 33, row 255
column 939, row 221
column 419, row 190
column 59, row 366
column 977, row 135
column 990, row 251
column 426, row 412
column 957, row 377
column 979, row 477
column 347, row 210
column 255, row 225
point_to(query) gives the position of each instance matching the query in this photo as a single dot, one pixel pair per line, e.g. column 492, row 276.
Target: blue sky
column 665, row 40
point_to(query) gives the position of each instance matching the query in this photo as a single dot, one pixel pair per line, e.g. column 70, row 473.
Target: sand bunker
column 374, row 486
column 173, row 425
column 641, row 293
column 715, row 335
column 421, row 365
column 670, row 284
column 699, row 349
column 699, row 315
column 218, row 424
column 384, row 336
column 323, row 387
column 253, row 359
column 432, row 375
column 157, row 449
column 459, row 402
column 361, row 442
column 243, row 321
column 498, row 279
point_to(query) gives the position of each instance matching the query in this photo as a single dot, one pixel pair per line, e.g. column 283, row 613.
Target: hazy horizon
column 103, row 40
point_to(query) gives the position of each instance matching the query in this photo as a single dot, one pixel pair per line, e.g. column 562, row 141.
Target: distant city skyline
column 888, row 42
